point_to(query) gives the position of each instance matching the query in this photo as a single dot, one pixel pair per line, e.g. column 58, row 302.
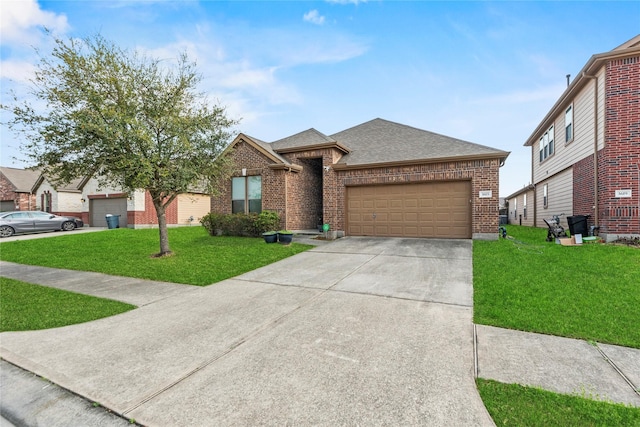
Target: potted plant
column 285, row 237
column 270, row 236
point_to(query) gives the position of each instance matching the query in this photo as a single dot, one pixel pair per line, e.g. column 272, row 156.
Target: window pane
column 237, row 206
column 255, row 187
column 255, row 205
column 238, row 188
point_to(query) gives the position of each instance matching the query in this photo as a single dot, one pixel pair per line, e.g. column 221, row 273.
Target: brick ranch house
column 585, row 153
column 379, row 178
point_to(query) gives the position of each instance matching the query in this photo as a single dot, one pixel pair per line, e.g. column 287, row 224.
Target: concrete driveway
column 360, row 331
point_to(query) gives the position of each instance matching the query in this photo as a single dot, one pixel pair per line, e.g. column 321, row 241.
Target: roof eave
column 290, row 168
column 498, row 155
column 529, row 187
column 322, row 146
column 245, row 138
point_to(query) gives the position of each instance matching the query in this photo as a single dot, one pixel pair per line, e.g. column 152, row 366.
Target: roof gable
column 22, row 179
column 306, row 140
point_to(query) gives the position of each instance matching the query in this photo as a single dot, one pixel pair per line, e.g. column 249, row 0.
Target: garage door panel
column 99, row 208
column 439, row 209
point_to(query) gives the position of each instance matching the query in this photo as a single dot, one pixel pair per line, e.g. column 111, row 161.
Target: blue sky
column 485, row 72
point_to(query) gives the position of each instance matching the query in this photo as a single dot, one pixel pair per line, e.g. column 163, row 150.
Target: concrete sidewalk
column 358, row 331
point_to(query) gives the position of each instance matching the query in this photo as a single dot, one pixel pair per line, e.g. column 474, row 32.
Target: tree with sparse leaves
column 124, row 118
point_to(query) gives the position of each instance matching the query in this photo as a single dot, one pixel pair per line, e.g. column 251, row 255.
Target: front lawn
column 199, row 259
column 516, row 405
column 591, row 292
column 27, row 307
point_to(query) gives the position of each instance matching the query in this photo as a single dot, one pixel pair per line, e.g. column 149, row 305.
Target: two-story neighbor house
column 585, row 153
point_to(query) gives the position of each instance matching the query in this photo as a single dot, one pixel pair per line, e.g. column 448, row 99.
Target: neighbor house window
column 515, row 208
column 547, row 145
column 246, row 194
column 524, row 205
column 545, row 196
column 568, row 124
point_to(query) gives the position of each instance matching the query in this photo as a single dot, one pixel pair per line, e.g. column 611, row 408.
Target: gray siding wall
column 516, row 213
column 560, row 198
column 566, row 154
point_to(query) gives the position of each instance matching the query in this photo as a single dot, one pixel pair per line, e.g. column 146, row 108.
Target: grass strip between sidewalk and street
column 590, row 292
column 516, row 405
column 28, row 307
column 198, row 259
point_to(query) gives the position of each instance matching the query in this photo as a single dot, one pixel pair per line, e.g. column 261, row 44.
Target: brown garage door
column 436, row 209
column 101, row 207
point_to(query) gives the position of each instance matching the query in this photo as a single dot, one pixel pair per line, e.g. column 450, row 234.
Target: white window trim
column 547, row 144
column 568, row 114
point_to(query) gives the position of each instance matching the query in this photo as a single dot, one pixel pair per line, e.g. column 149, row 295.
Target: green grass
column 199, row 259
column 590, row 292
column 27, row 307
column 516, row 405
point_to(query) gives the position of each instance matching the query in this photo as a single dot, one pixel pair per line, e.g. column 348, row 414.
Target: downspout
column 596, row 219
column 535, row 193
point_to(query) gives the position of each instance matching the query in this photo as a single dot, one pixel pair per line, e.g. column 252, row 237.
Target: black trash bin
column 578, row 225
column 113, row 221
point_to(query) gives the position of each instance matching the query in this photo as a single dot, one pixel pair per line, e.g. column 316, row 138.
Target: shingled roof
column 306, row 140
column 380, row 141
column 21, row 179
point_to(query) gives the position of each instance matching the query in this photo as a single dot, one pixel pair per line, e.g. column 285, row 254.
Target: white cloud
column 347, row 1
column 16, row 70
column 314, row 17
column 19, row 19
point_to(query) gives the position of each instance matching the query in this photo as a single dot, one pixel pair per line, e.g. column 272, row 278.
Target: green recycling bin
column 113, row 221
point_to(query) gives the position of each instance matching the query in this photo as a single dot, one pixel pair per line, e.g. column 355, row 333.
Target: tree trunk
column 162, row 227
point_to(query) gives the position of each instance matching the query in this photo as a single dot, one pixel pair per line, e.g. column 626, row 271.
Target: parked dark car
column 33, row 221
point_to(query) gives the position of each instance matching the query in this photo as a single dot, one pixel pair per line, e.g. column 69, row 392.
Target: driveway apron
column 360, row 331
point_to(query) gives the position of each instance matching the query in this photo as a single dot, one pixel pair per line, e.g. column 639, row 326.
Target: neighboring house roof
column 519, row 192
column 21, row 179
column 629, row 48
column 380, row 142
column 74, row 186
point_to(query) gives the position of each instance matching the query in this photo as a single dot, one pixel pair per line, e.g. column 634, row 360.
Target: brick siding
column 620, row 166
column 583, row 194
column 483, row 175
column 149, row 216
column 274, row 182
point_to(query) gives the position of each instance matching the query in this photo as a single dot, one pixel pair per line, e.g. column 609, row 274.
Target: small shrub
column 267, row 221
column 244, row 225
column 213, row 223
